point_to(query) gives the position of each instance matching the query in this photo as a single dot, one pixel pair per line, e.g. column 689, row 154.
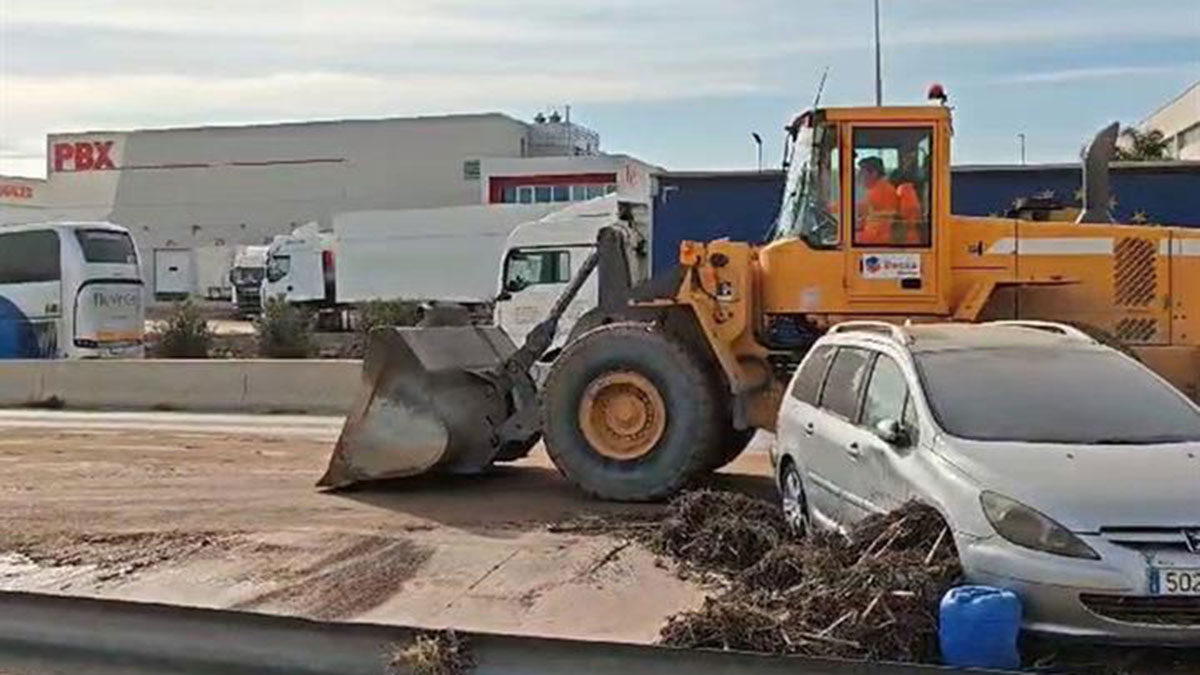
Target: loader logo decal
column 891, row 266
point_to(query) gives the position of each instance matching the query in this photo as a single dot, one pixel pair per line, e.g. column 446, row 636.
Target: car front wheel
column 791, row 493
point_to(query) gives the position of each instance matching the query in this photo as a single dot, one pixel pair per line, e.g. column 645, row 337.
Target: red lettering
column 62, row 153
column 83, row 156
column 103, row 160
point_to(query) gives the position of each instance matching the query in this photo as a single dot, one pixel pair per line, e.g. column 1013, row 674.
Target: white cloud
column 1093, row 73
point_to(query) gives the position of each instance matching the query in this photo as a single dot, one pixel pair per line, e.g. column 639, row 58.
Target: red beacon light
column 937, row 93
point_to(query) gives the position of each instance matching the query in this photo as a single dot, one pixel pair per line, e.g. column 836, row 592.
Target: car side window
column 812, row 373
column 886, row 395
column 844, row 384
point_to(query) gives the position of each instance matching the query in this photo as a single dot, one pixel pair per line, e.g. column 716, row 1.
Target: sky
column 679, row 83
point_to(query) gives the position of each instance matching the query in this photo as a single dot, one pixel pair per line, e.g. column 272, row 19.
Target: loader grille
column 1137, row 330
column 1157, row 610
column 1135, row 272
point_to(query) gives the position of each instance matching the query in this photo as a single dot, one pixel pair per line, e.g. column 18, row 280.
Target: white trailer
column 445, row 254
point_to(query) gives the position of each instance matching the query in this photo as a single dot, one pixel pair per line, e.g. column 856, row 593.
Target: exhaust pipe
column 1095, row 176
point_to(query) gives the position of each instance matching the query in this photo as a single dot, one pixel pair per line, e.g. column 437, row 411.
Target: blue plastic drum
column 979, row 627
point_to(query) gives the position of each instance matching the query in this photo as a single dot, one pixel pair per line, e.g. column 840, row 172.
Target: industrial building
column 191, row 196
column 1179, row 121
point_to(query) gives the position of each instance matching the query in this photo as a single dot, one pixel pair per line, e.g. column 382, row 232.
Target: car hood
column 1088, row 487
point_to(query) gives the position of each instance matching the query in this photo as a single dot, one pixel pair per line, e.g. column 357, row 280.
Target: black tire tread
column 702, row 400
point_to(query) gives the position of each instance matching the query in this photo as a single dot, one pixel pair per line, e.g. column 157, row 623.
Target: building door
column 172, row 273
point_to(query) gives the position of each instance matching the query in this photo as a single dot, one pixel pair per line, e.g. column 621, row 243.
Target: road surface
column 220, row 511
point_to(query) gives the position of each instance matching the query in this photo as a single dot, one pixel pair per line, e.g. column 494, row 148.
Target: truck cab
column 541, row 257
column 300, row 267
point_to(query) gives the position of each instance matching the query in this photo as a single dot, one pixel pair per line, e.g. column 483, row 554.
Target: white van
column 70, row 290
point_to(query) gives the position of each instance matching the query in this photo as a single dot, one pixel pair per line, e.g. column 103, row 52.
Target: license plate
column 1179, row 581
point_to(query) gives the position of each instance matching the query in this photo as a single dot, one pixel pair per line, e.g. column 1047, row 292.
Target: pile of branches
column 874, row 596
column 718, row 531
column 432, row 653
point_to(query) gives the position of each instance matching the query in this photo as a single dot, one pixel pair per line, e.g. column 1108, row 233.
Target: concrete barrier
column 300, row 386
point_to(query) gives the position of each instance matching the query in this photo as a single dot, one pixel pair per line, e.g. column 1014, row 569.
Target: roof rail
column 1066, row 330
column 895, row 332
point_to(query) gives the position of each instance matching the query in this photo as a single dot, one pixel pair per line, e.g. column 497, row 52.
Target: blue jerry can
column 979, row 627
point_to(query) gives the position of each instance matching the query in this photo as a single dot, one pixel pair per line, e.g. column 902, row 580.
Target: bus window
column 106, row 246
column 29, row 257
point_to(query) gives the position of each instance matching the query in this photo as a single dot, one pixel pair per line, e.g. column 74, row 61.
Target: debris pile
column 719, row 531
column 875, row 596
column 433, row 653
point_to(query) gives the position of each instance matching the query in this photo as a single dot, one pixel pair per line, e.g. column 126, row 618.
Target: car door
column 835, row 438
column 877, row 485
column 799, row 412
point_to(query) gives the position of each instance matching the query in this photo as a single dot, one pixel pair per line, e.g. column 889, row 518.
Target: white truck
column 541, row 258
column 246, row 277
column 446, row 255
column 452, row 255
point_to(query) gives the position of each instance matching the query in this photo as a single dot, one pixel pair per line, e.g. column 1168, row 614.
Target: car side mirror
column 893, row 433
column 515, row 285
column 504, row 296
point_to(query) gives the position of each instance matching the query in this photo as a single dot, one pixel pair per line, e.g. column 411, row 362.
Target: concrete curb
column 251, row 385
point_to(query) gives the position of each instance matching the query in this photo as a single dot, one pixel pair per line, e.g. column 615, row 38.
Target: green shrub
column 378, row 313
column 186, row 335
column 285, row 331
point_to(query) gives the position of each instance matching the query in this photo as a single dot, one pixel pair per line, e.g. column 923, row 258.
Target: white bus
column 70, row 290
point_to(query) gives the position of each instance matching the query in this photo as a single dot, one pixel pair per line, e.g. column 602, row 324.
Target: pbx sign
column 82, row 156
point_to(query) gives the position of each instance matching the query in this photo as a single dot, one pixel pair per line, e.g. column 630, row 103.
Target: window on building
column 562, row 193
column 29, row 257
column 471, row 169
column 893, row 190
column 525, row 194
column 594, row 191
column 542, row 194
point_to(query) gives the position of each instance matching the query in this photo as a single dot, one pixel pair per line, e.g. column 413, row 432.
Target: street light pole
column 1021, row 137
column 878, row 60
column 758, row 144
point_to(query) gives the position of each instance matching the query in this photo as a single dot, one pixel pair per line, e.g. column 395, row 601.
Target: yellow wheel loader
column 669, row 379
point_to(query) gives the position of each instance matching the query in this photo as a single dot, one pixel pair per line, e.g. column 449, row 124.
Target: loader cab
column 862, row 223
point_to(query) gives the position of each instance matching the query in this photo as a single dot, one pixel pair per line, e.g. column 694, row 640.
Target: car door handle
column 854, row 450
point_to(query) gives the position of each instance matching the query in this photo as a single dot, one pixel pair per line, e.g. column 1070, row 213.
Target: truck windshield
column 810, row 202
column 1044, row 395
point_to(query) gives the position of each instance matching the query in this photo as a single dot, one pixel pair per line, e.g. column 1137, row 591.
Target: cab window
column 844, row 384
column 532, row 267
column 893, row 186
column 807, row 387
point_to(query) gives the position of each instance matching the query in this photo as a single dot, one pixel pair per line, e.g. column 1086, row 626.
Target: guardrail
column 42, row 633
column 317, row 386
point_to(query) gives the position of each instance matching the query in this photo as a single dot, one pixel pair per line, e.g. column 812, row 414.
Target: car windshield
column 1053, row 395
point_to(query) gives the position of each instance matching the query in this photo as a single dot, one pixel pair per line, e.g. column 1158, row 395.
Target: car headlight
column 1027, row 527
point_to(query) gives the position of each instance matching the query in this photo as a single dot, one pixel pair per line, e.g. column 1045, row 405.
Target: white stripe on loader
column 1181, row 247
column 1052, row 246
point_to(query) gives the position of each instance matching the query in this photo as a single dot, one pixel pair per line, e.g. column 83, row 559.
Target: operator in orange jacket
column 878, row 209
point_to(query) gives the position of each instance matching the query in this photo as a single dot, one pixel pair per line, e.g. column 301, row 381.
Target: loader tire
column 648, row 401
column 733, row 442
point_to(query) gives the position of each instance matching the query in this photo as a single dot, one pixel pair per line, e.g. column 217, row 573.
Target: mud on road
column 233, row 520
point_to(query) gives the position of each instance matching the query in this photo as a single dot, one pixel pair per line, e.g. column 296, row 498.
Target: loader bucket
column 428, row 402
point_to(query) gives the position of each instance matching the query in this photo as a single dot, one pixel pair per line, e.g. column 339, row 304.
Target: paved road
column 220, row 511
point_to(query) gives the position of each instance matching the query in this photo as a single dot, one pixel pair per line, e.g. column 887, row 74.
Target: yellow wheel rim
column 622, row 415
